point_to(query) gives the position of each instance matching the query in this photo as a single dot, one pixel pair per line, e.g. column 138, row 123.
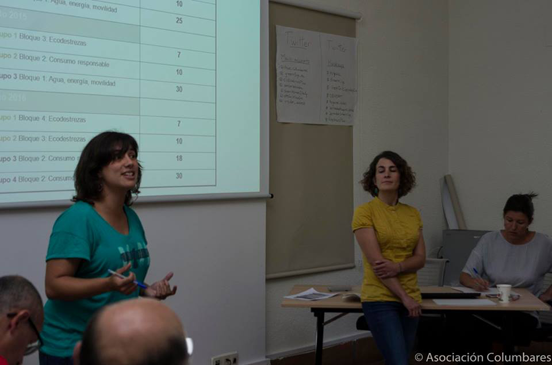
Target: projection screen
column 184, row 77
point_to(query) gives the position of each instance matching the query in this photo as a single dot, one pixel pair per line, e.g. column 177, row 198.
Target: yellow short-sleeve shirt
column 398, row 231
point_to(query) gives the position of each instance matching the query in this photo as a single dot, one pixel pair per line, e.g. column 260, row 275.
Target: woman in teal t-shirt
column 100, row 232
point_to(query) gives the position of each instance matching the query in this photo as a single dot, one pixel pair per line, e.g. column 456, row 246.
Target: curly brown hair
column 407, row 176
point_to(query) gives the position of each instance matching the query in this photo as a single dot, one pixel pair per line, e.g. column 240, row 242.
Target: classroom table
column 336, row 304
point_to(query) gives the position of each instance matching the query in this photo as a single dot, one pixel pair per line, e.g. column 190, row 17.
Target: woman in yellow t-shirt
column 390, row 236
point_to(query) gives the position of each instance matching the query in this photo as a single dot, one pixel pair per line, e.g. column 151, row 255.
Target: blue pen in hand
column 141, row 285
column 477, row 276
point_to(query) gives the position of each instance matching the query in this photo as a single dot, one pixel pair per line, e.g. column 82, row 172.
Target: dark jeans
column 393, row 331
column 46, row 359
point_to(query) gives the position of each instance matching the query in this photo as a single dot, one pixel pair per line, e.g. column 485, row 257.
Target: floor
column 364, row 352
column 359, row 352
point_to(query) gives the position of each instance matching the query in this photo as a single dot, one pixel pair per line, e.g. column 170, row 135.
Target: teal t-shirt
column 80, row 232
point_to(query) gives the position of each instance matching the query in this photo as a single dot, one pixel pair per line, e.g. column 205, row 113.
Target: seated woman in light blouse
column 516, row 256
column 390, row 236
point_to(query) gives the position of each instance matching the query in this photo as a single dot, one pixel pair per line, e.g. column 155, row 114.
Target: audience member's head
column 134, row 332
column 21, row 318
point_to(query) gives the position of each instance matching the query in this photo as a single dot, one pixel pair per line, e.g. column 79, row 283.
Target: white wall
column 216, row 250
column 500, row 107
column 403, row 99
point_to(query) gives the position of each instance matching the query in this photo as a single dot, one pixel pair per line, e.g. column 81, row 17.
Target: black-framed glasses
column 35, row 346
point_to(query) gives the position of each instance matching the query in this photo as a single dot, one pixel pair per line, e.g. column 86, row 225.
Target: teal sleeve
column 65, row 245
column 71, row 236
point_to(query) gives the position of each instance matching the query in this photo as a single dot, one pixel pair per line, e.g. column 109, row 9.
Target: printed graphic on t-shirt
column 138, row 256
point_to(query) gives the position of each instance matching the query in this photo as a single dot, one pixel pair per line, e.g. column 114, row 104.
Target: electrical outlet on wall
column 230, row 358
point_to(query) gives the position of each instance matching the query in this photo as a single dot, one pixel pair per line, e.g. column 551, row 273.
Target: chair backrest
column 546, row 317
column 457, row 247
column 433, row 273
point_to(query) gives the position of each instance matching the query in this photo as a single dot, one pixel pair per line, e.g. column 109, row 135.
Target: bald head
column 135, row 332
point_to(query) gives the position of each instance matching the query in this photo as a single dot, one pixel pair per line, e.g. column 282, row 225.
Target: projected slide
column 157, row 69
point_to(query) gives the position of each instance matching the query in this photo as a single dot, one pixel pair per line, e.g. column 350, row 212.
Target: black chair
column 544, row 333
column 361, row 324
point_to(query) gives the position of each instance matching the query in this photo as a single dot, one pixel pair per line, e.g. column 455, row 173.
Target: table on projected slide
column 74, row 69
column 527, row 302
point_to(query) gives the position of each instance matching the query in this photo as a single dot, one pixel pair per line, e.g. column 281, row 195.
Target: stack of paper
column 310, row 295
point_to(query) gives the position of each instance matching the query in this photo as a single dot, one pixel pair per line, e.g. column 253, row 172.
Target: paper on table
column 311, row 295
column 491, row 292
column 464, row 302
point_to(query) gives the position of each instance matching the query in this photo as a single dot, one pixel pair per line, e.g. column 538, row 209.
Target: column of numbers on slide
column 71, row 69
column 178, row 89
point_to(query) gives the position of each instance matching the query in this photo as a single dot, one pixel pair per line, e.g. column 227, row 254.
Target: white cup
column 504, row 292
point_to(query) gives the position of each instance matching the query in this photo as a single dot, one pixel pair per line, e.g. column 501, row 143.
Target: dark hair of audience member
column 16, row 292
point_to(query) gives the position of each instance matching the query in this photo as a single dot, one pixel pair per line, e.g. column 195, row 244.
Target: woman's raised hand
column 125, row 286
column 161, row 289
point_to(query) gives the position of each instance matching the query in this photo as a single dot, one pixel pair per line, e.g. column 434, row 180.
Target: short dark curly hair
column 407, row 176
